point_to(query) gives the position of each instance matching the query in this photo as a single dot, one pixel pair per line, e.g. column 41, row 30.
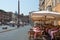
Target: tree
column 22, row 14
column 2, row 11
column 16, row 13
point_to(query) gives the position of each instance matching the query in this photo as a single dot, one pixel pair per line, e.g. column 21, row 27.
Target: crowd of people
column 48, row 30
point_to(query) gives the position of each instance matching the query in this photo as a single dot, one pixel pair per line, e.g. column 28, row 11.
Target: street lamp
column 18, row 12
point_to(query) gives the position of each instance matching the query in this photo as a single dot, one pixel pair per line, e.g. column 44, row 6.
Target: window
column 59, row 1
column 43, row 2
column 49, row 8
column 53, row 2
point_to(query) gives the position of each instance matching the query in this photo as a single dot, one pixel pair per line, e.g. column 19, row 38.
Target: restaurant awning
column 40, row 15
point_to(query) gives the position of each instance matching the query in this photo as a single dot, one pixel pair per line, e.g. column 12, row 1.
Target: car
column 4, row 27
column 0, row 23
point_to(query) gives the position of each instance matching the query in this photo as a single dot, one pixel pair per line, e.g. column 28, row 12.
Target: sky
column 26, row 6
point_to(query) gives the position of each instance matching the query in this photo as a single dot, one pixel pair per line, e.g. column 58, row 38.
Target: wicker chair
column 31, row 34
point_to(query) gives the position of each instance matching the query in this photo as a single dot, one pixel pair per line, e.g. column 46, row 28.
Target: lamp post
column 18, row 12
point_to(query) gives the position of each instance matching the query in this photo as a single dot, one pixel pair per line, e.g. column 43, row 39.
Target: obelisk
column 18, row 13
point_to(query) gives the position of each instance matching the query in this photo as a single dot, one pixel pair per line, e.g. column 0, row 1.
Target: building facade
column 56, row 7
column 49, row 5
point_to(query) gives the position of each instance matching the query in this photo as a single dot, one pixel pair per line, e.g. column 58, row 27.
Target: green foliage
column 2, row 11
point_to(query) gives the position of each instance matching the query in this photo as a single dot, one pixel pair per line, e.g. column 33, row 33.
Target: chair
column 31, row 34
column 57, row 35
